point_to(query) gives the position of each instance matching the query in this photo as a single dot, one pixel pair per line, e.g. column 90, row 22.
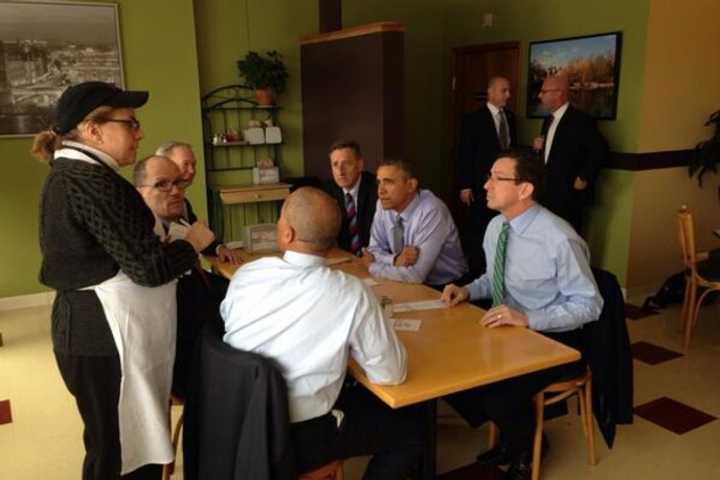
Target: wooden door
column 471, row 69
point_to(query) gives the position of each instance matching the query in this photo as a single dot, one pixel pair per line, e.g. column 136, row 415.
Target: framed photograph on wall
column 44, row 48
column 592, row 65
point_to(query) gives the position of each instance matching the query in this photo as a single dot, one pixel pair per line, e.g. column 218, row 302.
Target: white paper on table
column 370, row 282
column 422, row 305
column 337, row 260
column 406, row 324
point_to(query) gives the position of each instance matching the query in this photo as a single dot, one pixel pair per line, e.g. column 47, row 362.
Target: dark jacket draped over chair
column 236, row 415
column 606, row 349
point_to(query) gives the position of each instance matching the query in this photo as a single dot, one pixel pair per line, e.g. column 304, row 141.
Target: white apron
column 143, row 321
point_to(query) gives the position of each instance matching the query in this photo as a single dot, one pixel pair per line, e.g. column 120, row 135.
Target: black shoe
column 520, row 467
column 497, row 455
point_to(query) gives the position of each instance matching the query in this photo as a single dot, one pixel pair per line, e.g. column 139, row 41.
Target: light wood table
column 451, row 351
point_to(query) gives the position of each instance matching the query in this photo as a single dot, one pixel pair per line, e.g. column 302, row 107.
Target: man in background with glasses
column 538, row 277
column 573, row 151
column 199, row 293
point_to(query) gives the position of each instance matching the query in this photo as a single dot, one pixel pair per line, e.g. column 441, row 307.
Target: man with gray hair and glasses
column 162, row 186
column 181, row 154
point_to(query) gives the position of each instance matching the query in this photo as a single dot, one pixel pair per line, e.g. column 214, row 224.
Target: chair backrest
column 687, row 237
column 236, row 415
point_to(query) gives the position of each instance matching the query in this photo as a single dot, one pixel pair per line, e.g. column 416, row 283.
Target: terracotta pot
column 265, row 96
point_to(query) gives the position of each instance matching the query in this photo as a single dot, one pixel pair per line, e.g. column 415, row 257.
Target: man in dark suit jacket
column 573, row 150
column 354, row 189
column 482, row 137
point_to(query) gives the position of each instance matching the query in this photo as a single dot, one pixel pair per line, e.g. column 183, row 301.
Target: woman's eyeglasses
column 133, row 123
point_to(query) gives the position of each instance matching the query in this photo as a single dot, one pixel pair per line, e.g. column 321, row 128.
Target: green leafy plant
column 264, row 71
column 706, row 155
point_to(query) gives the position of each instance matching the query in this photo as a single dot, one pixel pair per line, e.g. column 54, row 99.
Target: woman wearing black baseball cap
column 113, row 320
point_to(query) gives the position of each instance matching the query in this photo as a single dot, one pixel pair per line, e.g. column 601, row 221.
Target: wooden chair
column 169, row 469
column 556, row 392
column 695, row 275
column 331, row 471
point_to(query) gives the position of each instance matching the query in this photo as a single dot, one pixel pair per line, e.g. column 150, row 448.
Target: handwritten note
column 422, row 305
column 406, row 324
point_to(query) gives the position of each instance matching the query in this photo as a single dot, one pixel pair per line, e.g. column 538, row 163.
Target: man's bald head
column 554, row 93
column 314, row 216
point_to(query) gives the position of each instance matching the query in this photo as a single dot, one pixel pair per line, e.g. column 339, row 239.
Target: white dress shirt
column 557, row 116
column 308, row 318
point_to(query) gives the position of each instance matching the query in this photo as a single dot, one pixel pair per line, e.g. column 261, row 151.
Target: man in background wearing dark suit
column 484, row 133
column 355, row 192
column 573, row 151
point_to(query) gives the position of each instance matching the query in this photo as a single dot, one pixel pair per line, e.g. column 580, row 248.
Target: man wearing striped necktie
column 539, row 277
column 356, row 194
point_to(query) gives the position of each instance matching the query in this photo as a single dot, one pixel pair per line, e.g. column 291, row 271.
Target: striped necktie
column 353, row 228
column 498, row 291
column 503, row 131
column 398, row 236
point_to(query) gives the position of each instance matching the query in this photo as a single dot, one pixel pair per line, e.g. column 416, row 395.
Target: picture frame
column 592, row 64
column 46, row 46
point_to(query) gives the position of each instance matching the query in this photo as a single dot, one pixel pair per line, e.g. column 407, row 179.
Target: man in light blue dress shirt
column 544, row 283
column 413, row 236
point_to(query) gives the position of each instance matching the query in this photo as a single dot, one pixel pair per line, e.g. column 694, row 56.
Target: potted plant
column 266, row 74
column 706, row 155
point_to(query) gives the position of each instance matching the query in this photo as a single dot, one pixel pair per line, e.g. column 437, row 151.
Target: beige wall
column 682, row 88
column 654, row 246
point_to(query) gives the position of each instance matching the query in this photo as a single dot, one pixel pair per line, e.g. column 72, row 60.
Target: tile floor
column 40, row 431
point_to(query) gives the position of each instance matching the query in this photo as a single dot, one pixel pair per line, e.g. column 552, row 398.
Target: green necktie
column 498, row 291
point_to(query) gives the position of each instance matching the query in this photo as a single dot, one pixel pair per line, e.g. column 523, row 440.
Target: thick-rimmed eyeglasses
column 494, row 178
column 133, row 123
column 167, row 185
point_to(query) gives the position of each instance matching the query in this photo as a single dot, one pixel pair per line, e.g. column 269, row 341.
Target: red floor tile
column 5, row 414
column 672, row 415
column 652, row 354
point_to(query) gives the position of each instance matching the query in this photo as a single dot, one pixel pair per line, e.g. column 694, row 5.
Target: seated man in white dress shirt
column 311, row 320
column 413, row 236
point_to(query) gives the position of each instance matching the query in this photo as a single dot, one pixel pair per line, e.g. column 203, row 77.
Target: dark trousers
column 94, row 381
column 394, row 437
column 509, row 403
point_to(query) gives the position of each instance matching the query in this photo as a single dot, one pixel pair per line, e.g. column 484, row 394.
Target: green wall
column 227, row 30
column 159, row 55
column 180, row 49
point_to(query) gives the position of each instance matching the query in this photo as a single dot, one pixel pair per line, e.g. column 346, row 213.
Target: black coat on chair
column 606, row 350
column 236, row 415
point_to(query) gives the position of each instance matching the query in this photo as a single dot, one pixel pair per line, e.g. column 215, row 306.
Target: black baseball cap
column 79, row 100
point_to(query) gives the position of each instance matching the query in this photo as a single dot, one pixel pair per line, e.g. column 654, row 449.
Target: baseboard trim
column 25, row 301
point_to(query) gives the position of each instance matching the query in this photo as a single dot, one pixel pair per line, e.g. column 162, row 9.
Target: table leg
column 428, row 462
